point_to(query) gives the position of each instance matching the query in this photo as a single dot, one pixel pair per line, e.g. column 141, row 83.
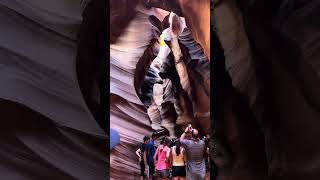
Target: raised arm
column 187, row 130
column 182, row 137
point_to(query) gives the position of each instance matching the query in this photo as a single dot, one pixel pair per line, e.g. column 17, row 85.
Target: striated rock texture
column 127, row 113
column 131, row 83
column 271, row 54
column 47, row 129
column 197, row 15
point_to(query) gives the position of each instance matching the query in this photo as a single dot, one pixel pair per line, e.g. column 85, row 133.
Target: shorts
column 178, row 171
column 142, row 167
column 165, row 173
column 151, row 168
column 196, row 176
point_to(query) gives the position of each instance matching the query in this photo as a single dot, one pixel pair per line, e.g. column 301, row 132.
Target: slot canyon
column 138, row 104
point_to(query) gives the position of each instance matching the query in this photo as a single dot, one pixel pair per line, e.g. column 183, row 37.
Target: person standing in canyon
column 151, row 149
column 162, row 159
column 141, row 153
column 195, row 150
column 178, row 156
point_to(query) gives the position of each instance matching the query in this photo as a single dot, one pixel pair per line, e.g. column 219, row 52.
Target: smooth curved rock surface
column 48, row 130
column 198, row 17
column 127, row 113
column 128, row 68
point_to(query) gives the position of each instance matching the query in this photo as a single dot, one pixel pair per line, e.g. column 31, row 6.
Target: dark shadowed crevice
column 91, row 59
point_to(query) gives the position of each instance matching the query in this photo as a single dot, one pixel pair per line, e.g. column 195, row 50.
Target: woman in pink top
column 163, row 163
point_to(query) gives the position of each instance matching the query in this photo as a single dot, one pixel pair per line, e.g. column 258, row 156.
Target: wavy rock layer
column 128, row 114
column 49, row 131
column 197, row 15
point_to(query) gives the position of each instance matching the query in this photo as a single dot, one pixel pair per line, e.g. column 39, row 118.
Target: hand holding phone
column 188, row 129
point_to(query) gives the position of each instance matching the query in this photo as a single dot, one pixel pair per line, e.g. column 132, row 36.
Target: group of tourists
column 177, row 159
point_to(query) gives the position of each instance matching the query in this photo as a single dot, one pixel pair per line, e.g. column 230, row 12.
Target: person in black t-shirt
column 142, row 154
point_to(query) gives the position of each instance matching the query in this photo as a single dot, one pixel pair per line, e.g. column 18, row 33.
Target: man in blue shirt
column 150, row 154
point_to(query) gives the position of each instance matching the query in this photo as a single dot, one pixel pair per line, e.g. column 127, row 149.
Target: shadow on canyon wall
column 271, row 52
